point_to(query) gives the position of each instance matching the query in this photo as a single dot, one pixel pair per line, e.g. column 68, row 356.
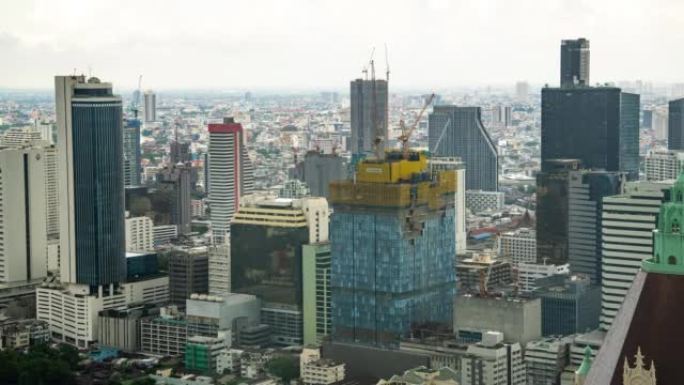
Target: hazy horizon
column 318, row 45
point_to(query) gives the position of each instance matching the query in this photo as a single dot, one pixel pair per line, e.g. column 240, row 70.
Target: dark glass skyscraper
column 599, row 126
column 90, row 127
column 574, row 62
column 458, row 131
column 675, row 125
column 368, row 115
column 131, row 143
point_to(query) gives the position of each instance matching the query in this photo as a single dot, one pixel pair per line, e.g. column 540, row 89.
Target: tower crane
column 406, row 134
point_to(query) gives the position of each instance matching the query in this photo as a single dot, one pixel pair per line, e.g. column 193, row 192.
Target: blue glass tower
column 392, row 249
column 90, row 126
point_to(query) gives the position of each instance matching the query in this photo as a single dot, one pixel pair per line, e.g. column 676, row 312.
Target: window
column 671, row 260
column 675, row 226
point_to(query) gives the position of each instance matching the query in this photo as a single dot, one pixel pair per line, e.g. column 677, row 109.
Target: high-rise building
column 267, row 236
column 570, row 305
column 663, row 165
column 131, row 146
column 608, row 134
column 369, row 109
column 628, row 221
column 660, row 123
column 598, row 126
column 319, row 169
column 392, row 250
column 230, row 175
column 188, row 273
column 552, row 211
column 139, row 234
column 176, row 181
column 675, row 125
column 446, row 163
column 458, row 131
column 316, row 266
column 150, row 106
column 522, row 91
column 574, row 63
column 519, row 246
column 586, row 190
column 92, row 230
column 493, row 362
column 545, row 360
column 219, row 270
column 478, row 201
column 23, row 228
column 179, row 152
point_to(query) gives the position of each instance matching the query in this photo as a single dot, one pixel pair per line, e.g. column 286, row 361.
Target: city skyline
column 310, row 45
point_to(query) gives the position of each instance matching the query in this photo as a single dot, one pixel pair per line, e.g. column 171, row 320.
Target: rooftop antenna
column 387, row 63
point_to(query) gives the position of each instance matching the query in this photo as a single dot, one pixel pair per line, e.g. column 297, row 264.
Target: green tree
column 143, row 381
column 284, row 367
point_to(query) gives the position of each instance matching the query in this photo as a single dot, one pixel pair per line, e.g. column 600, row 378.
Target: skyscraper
column 90, row 132
column 574, row 62
column 586, row 190
column 369, row 101
column 230, row 174
column 675, row 125
column 175, row 180
column 458, row 131
column 23, row 228
column 150, row 106
column 319, row 169
column 599, row 126
column 131, row 143
column 392, row 250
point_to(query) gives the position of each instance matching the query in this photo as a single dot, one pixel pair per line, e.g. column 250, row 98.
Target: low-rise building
column 529, row 273
column 207, row 315
column 165, row 335
column 570, row 305
column 545, row 360
column 314, row 370
column 202, row 353
column 120, row 328
column 519, row 246
column 23, row 333
column 493, row 362
column 471, row 270
column 424, row 376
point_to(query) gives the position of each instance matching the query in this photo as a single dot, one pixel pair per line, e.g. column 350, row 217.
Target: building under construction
column 392, row 244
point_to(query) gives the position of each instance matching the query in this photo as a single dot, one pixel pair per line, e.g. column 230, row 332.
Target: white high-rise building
column 23, row 226
column 230, row 175
column 439, row 163
column 139, row 234
column 660, row 119
column 219, row 270
column 627, row 224
column 520, row 246
column 150, row 106
column 492, row 362
column 663, row 165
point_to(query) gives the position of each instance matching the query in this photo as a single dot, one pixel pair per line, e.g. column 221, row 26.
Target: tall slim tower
column 132, row 152
column 369, row 101
column 90, row 132
column 458, row 131
column 150, row 106
column 230, row 175
column 675, row 125
column 575, row 62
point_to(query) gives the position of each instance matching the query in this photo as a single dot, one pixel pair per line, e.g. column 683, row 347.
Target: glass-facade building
column 675, row 125
column 570, row 306
column 98, row 189
column 132, row 152
column 599, row 126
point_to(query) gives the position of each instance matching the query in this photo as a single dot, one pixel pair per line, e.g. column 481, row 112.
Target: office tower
column 586, row 190
column 150, row 106
column 188, row 273
column 647, row 118
column 90, row 130
column 230, row 175
column 570, row 305
column 318, row 170
column 139, row 234
column 369, row 101
column 522, row 91
column 648, row 323
column 458, row 131
column 574, row 63
column 545, row 360
column 131, row 145
column 663, row 165
column 493, row 362
column 628, row 221
column 675, row 125
column 175, row 180
column 266, row 242
column 219, row 270
column 180, row 152
column 598, row 126
column 316, row 266
column 445, row 163
column 660, row 123
column 392, row 250
column 552, row 211
column 23, row 229
column 519, row 246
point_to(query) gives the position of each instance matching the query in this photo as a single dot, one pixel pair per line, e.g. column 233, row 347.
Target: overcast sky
column 245, row 44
